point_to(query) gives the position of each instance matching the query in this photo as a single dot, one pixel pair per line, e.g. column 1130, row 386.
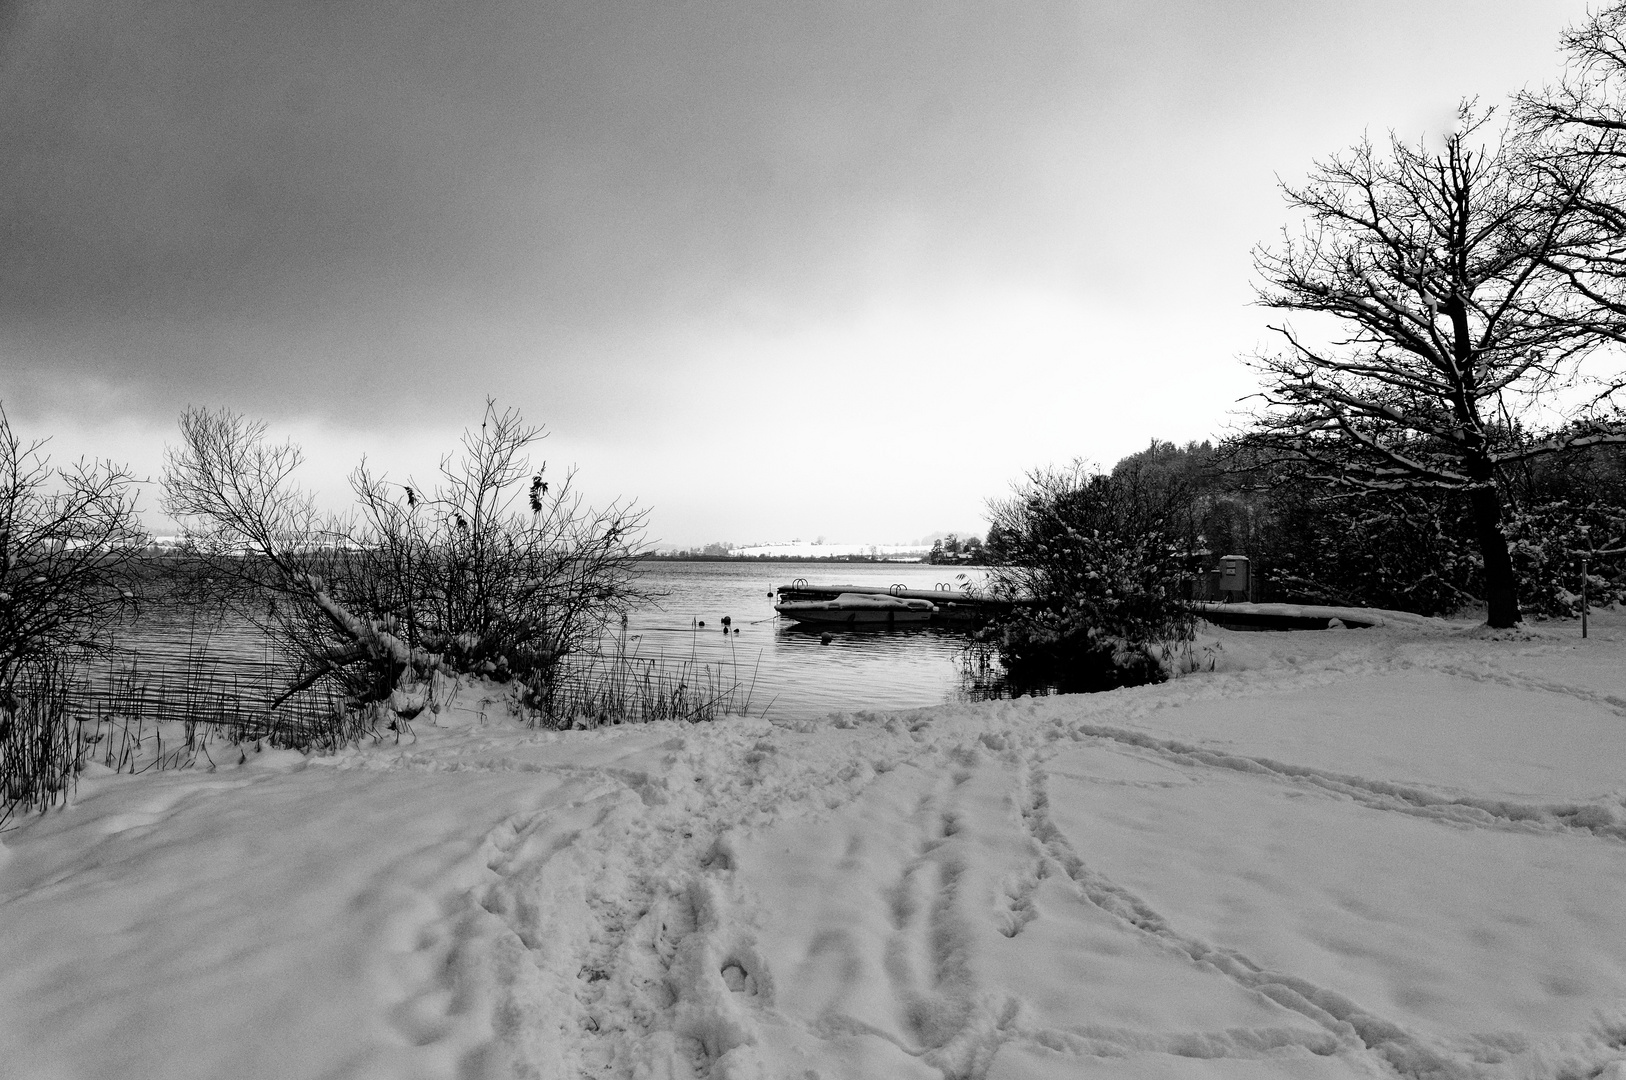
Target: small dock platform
column 954, row 606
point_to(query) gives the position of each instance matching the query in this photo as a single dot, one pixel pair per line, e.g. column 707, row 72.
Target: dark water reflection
column 787, row 669
column 176, row 662
column 802, row 677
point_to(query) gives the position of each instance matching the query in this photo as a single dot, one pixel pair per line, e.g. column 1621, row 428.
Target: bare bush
column 261, row 546
column 67, row 536
column 498, row 569
column 494, row 571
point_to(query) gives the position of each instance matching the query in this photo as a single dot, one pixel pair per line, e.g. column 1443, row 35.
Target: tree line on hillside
column 1115, row 557
column 1443, row 429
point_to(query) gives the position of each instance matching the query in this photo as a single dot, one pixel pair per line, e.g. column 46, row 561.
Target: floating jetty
column 955, row 606
column 968, row 606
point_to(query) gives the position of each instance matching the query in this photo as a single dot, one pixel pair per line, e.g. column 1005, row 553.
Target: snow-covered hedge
column 1098, row 556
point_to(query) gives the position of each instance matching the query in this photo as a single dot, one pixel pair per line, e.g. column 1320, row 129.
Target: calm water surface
column 795, row 675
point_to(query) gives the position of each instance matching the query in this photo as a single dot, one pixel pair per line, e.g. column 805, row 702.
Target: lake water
column 789, row 670
column 797, row 675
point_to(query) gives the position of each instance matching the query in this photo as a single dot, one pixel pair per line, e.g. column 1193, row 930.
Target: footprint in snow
column 735, row 977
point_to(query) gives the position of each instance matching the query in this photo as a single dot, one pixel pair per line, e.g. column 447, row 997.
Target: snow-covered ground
column 1396, row 851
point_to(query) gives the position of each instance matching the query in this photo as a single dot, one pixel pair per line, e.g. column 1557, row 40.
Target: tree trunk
column 1501, row 592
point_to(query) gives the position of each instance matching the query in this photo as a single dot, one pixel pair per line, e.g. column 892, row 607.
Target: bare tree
column 499, row 568
column 1579, row 129
column 260, row 538
column 67, row 536
column 1458, row 330
column 494, row 571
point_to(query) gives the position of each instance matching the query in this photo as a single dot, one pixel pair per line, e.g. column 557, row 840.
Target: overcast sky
column 775, row 269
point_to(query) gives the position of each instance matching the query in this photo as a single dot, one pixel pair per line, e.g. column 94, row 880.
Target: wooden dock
column 964, row 607
column 954, row 606
column 967, row 607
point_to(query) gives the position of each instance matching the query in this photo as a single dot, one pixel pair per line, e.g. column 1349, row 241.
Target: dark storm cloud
column 668, row 230
column 201, row 196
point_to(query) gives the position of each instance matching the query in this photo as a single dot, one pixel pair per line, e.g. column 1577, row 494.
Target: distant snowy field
column 1397, row 851
column 799, row 550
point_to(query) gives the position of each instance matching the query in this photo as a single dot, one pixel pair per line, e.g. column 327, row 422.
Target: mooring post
column 1583, row 596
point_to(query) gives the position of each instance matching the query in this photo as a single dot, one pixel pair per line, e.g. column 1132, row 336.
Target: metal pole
column 1583, row 597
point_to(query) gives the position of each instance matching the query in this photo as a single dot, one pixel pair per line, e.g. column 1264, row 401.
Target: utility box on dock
column 1233, row 577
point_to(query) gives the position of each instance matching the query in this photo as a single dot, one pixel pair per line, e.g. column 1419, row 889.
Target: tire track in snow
column 1519, row 681
column 957, row 1026
column 1348, row 1024
column 1601, row 819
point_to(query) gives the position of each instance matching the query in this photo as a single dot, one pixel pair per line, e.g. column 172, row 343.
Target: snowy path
column 1366, row 854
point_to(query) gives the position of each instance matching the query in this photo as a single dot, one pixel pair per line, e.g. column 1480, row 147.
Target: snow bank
column 1397, row 852
column 1347, row 616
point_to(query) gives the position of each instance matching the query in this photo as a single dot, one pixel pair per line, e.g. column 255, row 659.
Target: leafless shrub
column 67, row 536
column 494, row 571
column 497, row 569
column 259, row 542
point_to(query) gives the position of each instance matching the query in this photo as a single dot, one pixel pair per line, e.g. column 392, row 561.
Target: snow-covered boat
column 854, row 608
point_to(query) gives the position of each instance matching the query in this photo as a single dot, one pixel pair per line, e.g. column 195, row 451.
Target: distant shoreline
column 661, row 557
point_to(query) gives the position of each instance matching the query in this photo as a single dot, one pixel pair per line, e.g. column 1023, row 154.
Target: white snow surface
column 1393, row 852
column 1362, row 616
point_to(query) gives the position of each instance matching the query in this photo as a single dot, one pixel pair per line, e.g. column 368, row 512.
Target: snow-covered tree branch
column 495, row 570
column 1450, row 272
